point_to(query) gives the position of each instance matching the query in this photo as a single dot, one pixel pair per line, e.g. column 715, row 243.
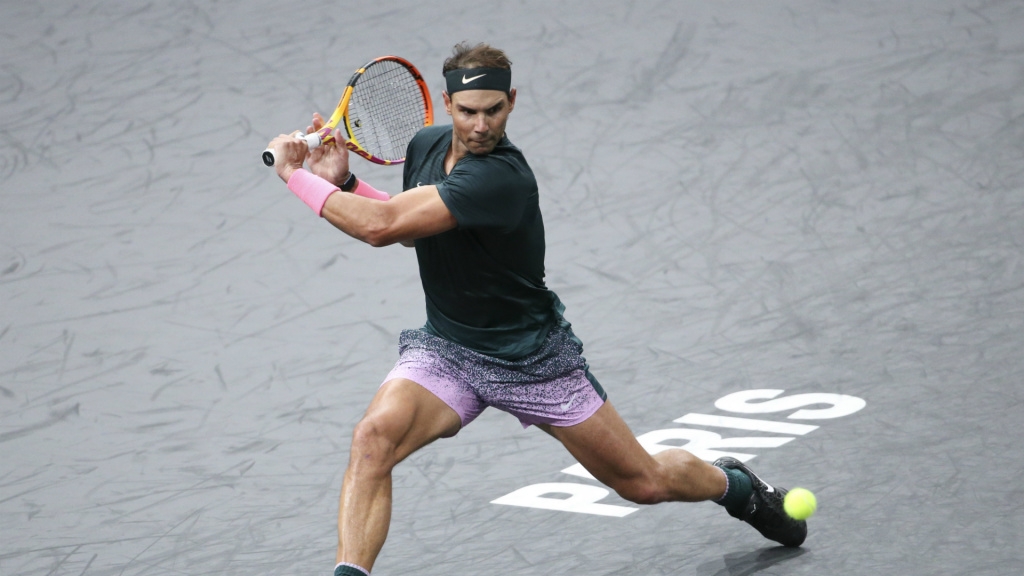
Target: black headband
column 479, row 79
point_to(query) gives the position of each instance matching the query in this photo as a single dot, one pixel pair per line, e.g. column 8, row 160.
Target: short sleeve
column 487, row 192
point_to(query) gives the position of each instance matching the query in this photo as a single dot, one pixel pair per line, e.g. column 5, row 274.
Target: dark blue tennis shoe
column 764, row 511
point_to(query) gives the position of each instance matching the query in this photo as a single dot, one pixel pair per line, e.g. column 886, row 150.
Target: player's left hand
column 290, row 152
column 329, row 161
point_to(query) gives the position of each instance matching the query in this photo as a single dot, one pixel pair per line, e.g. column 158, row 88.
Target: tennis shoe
column 764, row 510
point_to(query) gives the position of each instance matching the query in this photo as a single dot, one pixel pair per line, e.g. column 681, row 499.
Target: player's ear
column 511, row 99
column 447, row 102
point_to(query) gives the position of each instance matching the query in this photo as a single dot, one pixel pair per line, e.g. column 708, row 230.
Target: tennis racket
column 385, row 103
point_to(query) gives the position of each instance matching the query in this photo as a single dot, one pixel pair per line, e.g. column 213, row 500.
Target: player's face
column 479, row 117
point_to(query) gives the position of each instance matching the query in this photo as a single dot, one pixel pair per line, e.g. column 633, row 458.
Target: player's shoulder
column 427, row 143
column 506, row 158
column 430, row 135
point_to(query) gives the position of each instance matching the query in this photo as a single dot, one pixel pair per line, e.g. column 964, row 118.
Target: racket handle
column 313, row 140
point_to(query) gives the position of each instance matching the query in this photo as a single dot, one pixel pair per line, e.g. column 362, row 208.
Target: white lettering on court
column 705, row 444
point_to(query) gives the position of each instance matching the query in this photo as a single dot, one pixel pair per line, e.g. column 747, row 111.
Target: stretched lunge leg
column 606, row 447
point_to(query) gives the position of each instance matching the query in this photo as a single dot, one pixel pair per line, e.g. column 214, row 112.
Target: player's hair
column 478, row 56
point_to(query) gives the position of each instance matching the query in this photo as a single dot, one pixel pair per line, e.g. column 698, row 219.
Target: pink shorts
column 550, row 386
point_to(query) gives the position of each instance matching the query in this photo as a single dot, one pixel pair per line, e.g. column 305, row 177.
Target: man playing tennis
column 495, row 334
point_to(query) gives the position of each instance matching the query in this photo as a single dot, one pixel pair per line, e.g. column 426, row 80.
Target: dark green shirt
column 484, row 279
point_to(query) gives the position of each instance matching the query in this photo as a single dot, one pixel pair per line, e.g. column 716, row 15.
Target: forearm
column 415, row 213
column 362, row 218
column 364, row 215
column 358, row 214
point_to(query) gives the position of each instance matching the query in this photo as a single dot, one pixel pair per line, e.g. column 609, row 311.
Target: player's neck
column 454, row 155
column 457, row 151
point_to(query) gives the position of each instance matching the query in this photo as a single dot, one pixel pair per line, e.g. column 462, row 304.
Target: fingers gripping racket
column 385, row 103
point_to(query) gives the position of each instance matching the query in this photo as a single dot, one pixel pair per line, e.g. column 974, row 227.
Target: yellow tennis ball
column 800, row 503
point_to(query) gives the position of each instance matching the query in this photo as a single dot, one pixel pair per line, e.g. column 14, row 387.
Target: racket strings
column 386, row 110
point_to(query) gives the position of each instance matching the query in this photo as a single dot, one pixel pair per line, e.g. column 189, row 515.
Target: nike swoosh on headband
column 468, row 80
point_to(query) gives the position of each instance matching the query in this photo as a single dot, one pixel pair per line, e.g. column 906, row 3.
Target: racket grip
column 313, row 140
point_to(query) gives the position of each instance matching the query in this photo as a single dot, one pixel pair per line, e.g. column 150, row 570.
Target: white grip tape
column 312, row 141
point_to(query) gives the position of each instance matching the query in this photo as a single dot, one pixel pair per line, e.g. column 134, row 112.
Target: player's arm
column 415, row 213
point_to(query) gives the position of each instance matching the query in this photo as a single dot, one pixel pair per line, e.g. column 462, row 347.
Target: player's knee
column 372, row 446
column 639, row 490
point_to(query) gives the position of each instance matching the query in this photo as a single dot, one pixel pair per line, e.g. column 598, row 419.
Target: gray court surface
column 799, row 206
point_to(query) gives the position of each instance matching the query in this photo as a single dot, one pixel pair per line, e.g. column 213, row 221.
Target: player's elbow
column 378, row 228
column 380, row 232
column 374, row 235
column 378, row 239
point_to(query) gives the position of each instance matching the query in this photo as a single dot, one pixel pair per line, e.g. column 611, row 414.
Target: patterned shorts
column 550, row 386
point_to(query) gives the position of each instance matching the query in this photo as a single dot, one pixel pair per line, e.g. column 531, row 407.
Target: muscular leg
column 606, row 447
column 402, row 418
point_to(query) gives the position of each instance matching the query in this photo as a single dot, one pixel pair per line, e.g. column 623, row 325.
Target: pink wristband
column 312, row 189
column 366, row 191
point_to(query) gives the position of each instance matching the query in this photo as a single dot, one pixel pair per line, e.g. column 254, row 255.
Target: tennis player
column 495, row 335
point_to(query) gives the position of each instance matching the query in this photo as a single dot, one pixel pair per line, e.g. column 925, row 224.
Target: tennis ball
column 800, row 503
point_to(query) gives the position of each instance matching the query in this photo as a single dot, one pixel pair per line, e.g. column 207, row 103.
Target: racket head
column 387, row 104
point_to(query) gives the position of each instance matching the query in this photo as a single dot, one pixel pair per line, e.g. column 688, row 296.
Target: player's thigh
column 406, row 417
column 606, row 447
